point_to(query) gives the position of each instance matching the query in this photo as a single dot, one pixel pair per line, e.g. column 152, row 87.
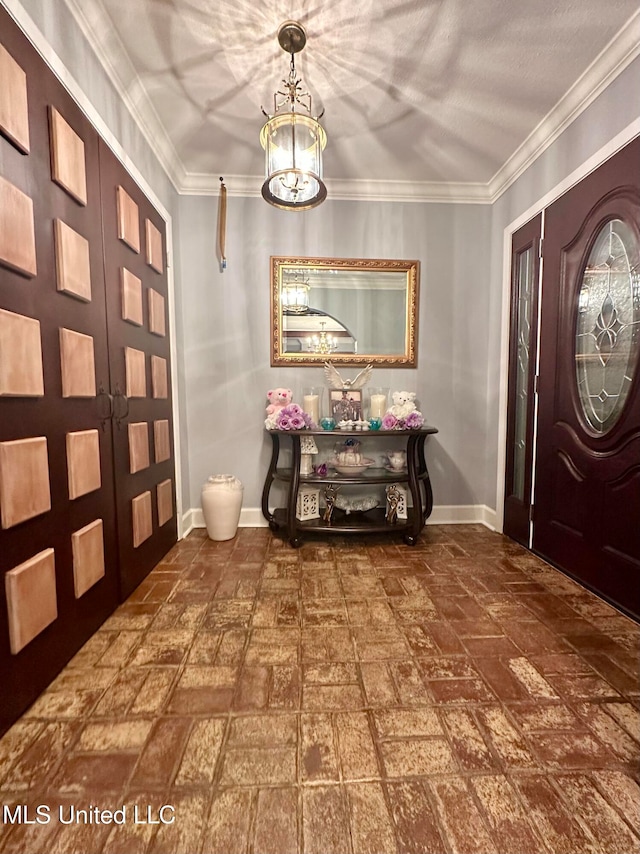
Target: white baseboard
column 250, row 517
column 187, row 523
column 443, row 514
column 463, row 514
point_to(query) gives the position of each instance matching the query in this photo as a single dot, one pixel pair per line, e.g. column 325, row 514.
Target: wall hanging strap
column 222, row 224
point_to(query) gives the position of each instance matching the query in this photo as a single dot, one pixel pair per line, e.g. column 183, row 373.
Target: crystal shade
column 293, row 145
column 295, row 297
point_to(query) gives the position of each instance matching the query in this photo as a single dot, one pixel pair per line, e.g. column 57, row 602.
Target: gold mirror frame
column 406, row 359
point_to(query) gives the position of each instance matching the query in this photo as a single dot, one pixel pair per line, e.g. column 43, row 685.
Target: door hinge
column 540, row 247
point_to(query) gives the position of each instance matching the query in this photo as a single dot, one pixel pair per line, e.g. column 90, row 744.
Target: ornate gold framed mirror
column 346, row 310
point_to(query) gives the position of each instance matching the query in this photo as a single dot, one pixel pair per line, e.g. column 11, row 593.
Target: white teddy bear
column 403, row 403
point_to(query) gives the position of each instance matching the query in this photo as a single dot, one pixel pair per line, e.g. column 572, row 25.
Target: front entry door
column 587, row 495
column 523, row 341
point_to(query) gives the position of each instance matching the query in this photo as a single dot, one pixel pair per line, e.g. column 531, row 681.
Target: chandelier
column 323, row 343
column 293, row 140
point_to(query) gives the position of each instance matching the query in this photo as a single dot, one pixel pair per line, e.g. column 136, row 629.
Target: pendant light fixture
column 293, row 140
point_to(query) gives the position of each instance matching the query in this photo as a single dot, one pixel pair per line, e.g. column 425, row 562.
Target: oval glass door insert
column 608, row 327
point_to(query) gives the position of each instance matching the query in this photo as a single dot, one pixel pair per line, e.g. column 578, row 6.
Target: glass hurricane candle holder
column 312, row 402
column 378, row 402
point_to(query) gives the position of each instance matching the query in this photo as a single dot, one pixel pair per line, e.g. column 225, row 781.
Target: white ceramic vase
column 221, row 505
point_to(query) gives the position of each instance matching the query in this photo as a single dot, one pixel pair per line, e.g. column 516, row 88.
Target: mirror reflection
column 349, row 310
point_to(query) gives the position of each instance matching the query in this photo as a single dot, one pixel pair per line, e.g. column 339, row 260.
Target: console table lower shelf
column 374, row 521
column 370, row 522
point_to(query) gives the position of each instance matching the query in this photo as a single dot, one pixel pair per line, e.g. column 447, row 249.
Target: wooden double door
column 573, row 448
column 87, row 487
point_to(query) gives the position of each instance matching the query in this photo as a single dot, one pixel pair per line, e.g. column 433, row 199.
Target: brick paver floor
column 350, row 696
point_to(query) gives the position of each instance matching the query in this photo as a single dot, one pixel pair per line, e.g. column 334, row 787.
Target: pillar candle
column 311, row 405
column 378, row 403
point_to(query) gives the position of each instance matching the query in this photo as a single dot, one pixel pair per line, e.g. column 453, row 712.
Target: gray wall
column 226, row 324
column 614, row 109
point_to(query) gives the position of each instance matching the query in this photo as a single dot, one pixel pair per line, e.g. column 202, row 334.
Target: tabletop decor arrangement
column 283, row 414
column 348, row 460
column 345, row 396
column 403, row 414
column 293, row 417
column 278, row 398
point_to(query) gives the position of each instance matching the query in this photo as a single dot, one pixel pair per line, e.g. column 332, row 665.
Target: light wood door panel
column 140, row 372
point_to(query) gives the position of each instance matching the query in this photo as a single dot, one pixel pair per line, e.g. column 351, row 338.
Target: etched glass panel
column 525, row 271
column 608, row 327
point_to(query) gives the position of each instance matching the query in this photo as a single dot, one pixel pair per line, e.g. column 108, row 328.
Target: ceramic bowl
column 352, row 470
column 356, row 504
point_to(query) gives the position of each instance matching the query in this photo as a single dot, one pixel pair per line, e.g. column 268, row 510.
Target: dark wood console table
column 371, row 521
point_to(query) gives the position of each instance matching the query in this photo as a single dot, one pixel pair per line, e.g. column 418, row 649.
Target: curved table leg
column 428, row 505
column 428, row 492
column 411, row 537
column 294, row 483
column 275, row 452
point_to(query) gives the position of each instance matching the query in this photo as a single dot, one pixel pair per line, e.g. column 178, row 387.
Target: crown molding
column 99, row 31
column 619, row 53
column 97, row 27
column 204, row 184
column 207, row 184
column 410, row 191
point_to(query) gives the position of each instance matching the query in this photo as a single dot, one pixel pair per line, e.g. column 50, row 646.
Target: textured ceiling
column 421, row 90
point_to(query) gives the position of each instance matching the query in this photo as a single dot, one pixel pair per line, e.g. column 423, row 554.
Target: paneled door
column 58, row 556
column 587, row 496
column 136, row 286
column 525, row 272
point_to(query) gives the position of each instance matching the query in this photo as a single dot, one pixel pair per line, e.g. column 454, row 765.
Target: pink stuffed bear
column 278, row 399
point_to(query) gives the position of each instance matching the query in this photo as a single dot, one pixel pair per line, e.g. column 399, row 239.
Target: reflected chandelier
column 295, row 294
column 324, row 343
column 293, row 140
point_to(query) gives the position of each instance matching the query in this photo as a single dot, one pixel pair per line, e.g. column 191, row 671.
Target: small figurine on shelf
column 334, row 380
column 393, row 499
column 278, row 399
column 330, row 495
